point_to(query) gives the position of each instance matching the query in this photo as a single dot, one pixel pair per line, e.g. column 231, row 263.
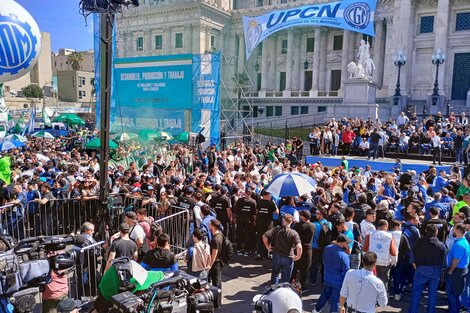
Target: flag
column 20, row 125
column 11, row 122
column 5, row 170
column 46, row 118
column 30, row 127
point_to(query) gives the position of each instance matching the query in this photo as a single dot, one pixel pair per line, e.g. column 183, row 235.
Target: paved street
column 247, row 277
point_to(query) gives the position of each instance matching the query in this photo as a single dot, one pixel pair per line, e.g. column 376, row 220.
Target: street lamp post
column 399, row 61
column 438, row 58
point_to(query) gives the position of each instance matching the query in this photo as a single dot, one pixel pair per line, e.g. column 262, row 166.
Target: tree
column 75, row 59
column 32, row 91
column 242, row 84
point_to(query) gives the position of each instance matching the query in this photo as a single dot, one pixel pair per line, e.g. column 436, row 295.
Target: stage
column 377, row 165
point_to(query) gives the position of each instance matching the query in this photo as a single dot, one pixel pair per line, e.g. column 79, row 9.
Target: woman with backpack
column 198, row 256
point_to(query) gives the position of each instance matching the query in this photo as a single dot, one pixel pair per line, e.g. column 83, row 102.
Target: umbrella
column 124, row 136
column 183, row 137
column 70, row 119
column 8, row 145
column 96, row 144
column 43, row 134
column 15, row 137
column 291, row 184
column 149, row 134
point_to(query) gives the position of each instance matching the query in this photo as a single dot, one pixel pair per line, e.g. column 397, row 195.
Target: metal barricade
column 83, row 281
column 176, row 226
column 12, row 221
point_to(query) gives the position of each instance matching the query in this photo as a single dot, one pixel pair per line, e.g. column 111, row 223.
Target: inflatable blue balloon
column 20, row 41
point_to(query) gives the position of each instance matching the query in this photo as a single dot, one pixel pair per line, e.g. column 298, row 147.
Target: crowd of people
column 435, row 135
column 362, row 234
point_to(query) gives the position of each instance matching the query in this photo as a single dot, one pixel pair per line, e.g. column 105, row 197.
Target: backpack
column 227, row 251
column 324, row 239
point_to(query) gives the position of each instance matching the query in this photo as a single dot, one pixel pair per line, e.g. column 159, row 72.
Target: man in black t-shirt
column 264, row 221
column 442, row 225
column 122, row 246
column 215, row 272
column 223, row 208
column 160, row 258
column 245, row 215
column 306, row 231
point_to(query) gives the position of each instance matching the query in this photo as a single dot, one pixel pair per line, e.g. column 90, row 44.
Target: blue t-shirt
column 350, row 235
column 336, row 262
column 460, row 250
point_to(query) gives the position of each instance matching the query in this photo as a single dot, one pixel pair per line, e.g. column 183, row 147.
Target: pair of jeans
column 215, row 274
column 465, row 298
column 455, row 285
column 459, row 155
column 383, row 272
column 373, row 150
column 399, row 279
column 317, row 263
column 303, row 265
column 436, row 155
column 329, row 292
column 421, row 280
column 354, row 261
column 283, row 265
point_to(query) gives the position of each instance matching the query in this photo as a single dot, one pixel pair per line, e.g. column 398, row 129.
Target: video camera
column 178, row 293
column 25, row 267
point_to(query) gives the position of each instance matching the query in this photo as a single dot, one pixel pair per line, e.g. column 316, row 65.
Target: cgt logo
column 18, row 45
column 357, row 15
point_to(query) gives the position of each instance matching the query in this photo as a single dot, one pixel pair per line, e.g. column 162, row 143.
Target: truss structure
column 236, row 106
column 125, row 28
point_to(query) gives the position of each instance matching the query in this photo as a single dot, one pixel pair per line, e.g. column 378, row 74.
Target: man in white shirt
column 136, row 233
column 364, row 146
column 436, row 148
column 362, row 289
column 402, row 120
column 367, row 224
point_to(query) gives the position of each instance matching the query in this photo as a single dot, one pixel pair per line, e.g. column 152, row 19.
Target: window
column 81, row 94
column 462, row 21
column 179, row 40
column 278, row 110
column 259, row 3
column 294, row 110
column 258, row 82
column 158, row 42
column 235, row 4
column 260, row 48
column 310, row 44
column 284, row 46
column 212, row 42
column 269, row 111
column 282, row 81
column 255, row 111
column 321, row 109
column 140, row 43
column 283, row 1
column 427, row 25
column 335, row 80
column 81, row 81
column 338, row 42
column 304, row 109
column 245, row 111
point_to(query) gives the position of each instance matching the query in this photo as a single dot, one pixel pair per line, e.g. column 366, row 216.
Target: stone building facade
column 297, row 75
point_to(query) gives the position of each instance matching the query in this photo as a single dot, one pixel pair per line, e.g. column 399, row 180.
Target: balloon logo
column 20, row 41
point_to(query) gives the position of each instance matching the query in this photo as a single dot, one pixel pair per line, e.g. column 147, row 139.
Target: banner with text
column 353, row 15
column 174, row 93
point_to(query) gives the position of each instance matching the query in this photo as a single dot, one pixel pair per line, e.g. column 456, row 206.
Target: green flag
column 20, row 125
column 46, row 118
column 5, row 170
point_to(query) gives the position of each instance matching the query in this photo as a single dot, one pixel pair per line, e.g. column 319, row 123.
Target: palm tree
column 242, row 84
column 75, row 59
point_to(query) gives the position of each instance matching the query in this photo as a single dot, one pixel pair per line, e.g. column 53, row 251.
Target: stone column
column 323, row 47
column 188, row 38
column 298, row 63
column 241, row 53
column 441, row 38
column 289, row 58
column 264, row 65
column 167, row 40
column 195, row 39
column 404, row 41
column 303, row 54
column 345, row 56
column 379, row 52
column 148, row 42
column 316, row 58
column 352, row 47
column 272, row 60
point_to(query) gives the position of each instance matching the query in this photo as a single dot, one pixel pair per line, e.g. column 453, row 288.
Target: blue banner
column 353, row 15
column 206, row 96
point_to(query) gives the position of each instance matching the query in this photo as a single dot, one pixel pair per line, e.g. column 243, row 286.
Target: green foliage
column 32, row 91
column 75, row 59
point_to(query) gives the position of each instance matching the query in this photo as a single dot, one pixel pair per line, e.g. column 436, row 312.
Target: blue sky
column 61, row 18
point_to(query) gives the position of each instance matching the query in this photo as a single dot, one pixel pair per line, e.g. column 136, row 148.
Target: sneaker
column 270, row 256
column 305, row 290
column 397, row 297
column 246, row 254
column 240, row 252
column 258, row 257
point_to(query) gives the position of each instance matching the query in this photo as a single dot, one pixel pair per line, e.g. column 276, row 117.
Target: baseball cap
column 149, row 187
column 68, row 305
column 189, row 190
column 342, row 238
column 305, row 214
column 264, row 192
column 124, row 227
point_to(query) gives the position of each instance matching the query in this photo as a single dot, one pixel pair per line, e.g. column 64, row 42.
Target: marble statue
column 363, row 52
column 369, row 66
column 356, row 70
